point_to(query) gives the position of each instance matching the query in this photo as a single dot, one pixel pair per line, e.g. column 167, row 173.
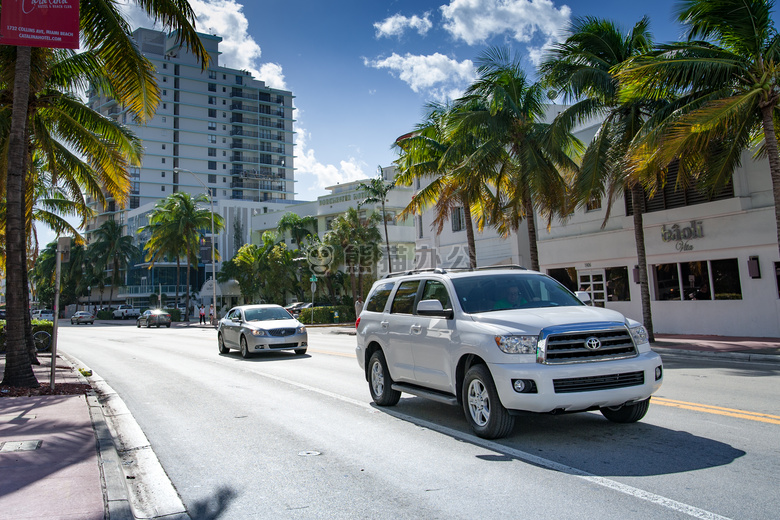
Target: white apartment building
column 218, row 129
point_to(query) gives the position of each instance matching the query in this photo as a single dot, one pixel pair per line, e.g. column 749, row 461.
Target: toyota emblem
column 593, row 343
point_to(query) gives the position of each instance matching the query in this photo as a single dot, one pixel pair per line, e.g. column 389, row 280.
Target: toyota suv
column 501, row 342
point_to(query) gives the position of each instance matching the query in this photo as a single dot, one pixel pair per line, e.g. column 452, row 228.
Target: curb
column 124, row 453
column 737, row 356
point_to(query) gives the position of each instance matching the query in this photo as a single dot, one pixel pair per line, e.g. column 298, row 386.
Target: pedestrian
column 358, row 306
column 202, row 314
column 211, row 313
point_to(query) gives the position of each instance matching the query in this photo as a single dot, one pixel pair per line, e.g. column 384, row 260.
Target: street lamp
column 213, row 256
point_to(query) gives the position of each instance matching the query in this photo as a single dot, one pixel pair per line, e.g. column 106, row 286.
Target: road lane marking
column 641, row 494
column 718, row 410
column 331, row 352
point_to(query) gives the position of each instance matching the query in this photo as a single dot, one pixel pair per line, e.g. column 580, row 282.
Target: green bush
column 175, row 314
column 105, row 315
column 326, row 314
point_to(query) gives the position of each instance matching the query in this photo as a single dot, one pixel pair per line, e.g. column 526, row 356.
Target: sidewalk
column 58, row 460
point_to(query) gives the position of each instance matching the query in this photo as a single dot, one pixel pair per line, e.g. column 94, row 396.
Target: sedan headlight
column 639, row 335
column 301, row 329
column 517, row 344
column 259, row 332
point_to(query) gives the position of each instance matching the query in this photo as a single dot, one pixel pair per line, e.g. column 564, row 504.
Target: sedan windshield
column 267, row 314
column 511, row 291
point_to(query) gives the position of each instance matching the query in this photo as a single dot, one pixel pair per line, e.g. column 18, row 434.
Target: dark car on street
column 152, row 317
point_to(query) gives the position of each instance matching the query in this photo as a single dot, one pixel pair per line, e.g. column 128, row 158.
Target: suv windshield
column 510, row 291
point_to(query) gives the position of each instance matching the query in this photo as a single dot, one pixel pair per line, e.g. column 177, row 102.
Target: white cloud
column 306, row 164
column 475, row 21
column 225, row 18
column 397, row 24
column 435, row 74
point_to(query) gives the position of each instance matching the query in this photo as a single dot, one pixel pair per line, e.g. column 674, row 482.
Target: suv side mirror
column 584, row 297
column 433, row 308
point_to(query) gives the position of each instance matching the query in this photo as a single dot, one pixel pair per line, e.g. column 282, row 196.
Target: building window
column 212, row 125
column 212, row 165
column 165, row 92
column 165, row 79
column 212, row 87
column 135, row 202
column 212, row 74
column 165, row 65
column 165, row 106
column 162, row 174
column 703, row 280
column 239, row 80
column 458, row 219
column 212, row 100
column 163, row 146
column 617, row 284
column 593, row 204
column 212, row 112
column 213, row 139
column 212, row 179
column 164, row 119
column 162, row 188
column 212, row 152
column 419, row 226
column 163, row 160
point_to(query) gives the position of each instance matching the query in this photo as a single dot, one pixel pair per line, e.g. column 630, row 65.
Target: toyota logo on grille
column 593, row 343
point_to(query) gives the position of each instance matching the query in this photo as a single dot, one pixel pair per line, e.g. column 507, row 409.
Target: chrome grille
column 280, row 333
column 607, row 341
column 606, row 382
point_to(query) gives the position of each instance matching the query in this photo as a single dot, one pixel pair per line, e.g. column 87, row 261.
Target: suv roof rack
column 437, row 270
column 502, row 266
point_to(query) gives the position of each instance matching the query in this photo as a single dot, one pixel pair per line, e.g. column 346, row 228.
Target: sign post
column 313, row 281
column 63, row 255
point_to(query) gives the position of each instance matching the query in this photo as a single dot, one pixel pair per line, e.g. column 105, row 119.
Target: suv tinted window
column 376, row 302
column 436, row 290
column 404, row 297
column 488, row 293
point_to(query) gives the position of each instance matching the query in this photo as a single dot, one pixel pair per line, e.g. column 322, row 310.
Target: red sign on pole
column 40, row 23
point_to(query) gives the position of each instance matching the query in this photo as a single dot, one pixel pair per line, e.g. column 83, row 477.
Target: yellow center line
column 718, row 410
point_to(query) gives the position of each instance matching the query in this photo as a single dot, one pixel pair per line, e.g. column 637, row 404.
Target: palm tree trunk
column 528, row 208
column 31, row 351
column 18, row 369
column 178, row 277
column 770, row 138
column 387, row 243
column 470, row 235
column 637, row 201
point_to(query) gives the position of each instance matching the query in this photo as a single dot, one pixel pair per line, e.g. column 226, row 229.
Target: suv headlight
column 517, row 344
column 639, row 335
column 259, row 332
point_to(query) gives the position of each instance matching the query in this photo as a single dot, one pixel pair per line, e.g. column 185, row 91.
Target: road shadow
column 265, row 357
column 212, row 508
column 586, row 441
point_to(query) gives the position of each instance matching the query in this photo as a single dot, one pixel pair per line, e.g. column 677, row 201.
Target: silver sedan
column 261, row 328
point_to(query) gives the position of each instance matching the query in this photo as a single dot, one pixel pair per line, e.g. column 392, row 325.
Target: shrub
column 326, row 314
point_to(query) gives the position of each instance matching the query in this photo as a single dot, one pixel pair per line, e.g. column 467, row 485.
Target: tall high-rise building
column 219, row 129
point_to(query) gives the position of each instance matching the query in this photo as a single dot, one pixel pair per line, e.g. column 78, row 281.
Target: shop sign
column 40, row 23
column 681, row 235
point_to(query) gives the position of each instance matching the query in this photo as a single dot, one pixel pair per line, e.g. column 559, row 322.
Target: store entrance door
column 592, row 282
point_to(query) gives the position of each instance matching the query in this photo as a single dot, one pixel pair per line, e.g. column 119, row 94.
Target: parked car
column 500, row 342
column 126, row 312
column 156, row 317
column 82, row 317
column 43, row 314
column 260, row 328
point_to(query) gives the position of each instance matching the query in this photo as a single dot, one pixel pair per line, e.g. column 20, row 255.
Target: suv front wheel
column 482, row 407
column 379, row 381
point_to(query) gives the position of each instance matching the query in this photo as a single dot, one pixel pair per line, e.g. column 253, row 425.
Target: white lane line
column 668, row 503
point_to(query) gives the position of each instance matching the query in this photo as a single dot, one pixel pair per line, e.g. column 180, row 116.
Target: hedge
column 327, row 314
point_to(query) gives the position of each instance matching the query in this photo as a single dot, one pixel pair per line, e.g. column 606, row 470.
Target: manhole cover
column 309, row 453
column 11, row 446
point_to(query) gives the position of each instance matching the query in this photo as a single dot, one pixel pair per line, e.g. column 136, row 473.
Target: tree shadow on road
column 213, row 508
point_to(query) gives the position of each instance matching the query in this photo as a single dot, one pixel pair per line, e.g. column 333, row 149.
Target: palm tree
column 299, row 227
column 123, row 72
column 377, row 190
column 115, row 250
column 528, row 158
column 189, row 221
column 728, row 72
column 430, row 153
column 354, row 243
column 583, row 68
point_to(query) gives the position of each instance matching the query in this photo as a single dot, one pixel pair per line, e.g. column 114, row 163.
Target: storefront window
column 725, row 279
column 667, row 282
column 696, row 281
column 567, row 276
column 617, row 284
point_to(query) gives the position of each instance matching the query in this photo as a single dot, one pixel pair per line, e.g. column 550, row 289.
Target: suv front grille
column 597, row 343
column 607, row 382
column 279, row 333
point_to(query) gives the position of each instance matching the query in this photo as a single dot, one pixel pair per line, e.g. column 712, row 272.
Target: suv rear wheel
column 482, row 407
column 628, row 413
column 379, row 381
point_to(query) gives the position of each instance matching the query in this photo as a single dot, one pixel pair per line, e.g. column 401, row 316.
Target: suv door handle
column 416, row 329
column 384, row 324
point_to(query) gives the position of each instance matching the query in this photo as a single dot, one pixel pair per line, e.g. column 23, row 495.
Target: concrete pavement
column 65, row 456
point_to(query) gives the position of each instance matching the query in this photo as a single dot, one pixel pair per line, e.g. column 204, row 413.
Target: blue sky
column 362, row 70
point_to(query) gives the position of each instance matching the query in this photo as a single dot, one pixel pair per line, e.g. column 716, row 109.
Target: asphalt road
column 285, row 436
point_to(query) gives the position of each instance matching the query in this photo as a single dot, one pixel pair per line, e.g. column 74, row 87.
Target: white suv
column 499, row 342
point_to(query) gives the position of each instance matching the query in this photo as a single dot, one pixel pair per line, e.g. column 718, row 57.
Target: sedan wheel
column 138, row 324
column 244, row 348
column 221, row 344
